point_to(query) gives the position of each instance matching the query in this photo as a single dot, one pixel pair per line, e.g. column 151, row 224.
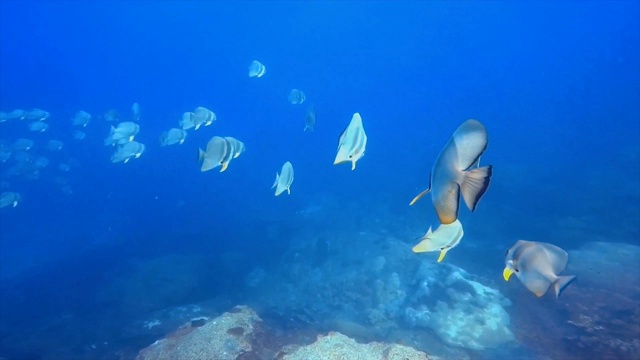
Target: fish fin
column 353, row 164
column 275, row 182
column 443, row 253
column 421, row 247
column 201, row 154
column 126, row 160
column 561, row 283
column 419, row 196
column 506, row 273
column 288, row 191
column 429, row 232
column 197, row 126
column 474, row 185
column 224, row 166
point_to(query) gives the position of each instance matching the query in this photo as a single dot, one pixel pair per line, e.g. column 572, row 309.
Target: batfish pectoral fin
column 224, row 166
column 506, row 273
column 561, row 283
column 419, row 196
column 474, row 185
column 353, row 164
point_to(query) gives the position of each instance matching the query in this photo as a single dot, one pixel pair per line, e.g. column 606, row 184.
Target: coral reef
column 336, row 346
column 240, row 334
column 225, row 337
column 461, row 311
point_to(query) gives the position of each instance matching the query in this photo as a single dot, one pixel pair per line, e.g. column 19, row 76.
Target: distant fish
column 41, row 162
column 127, row 151
column 187, row 121
column 54, row 145
column 538, row 266
column 310, row 121
column 203, row 116
column 64, row 167
column 256, row 69
column 173, row 136
column 38, row 126
column 22, row 144
column 9, row 198
column 352, row 143
column 135, row 111
column 17, row 114
column 451, row 173
column 296, row 97
column 79, row 134
column 81, row 118
column 284, row 179
column 123, row 133
column 445, row 238
column 36, row 114
column 111, row 116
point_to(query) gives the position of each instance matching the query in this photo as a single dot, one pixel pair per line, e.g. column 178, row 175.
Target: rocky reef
column 241, row 334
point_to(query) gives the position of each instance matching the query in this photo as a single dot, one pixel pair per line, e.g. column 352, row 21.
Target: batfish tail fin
column 561, row 283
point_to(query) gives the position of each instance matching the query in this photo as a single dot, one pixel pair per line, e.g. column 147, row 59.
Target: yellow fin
column 224, row 166
column 419, row 196
column 443, row 252
column 506, row 273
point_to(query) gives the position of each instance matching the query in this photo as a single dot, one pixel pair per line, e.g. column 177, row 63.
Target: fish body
column 296, row 97
column 9, row 198
column 219, row 152
column 135, row 111
column 123, row 133
column 81, row 118
column 38, row 126
column 352, row 143
column 126, row 152
column 452, row 175
column 538, row 266
column 310, row 121
column 172, row 137
column 203, row 116
column 284, row 179
column 256, row 69
column 445, row 238
column 187, row 121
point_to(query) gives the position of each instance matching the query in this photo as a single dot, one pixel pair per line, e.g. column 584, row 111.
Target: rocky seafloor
column 356, row 287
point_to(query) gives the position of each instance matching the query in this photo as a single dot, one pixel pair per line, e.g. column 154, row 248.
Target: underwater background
column 101, row 259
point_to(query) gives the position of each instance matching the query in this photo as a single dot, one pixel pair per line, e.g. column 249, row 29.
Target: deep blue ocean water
column 557, row 84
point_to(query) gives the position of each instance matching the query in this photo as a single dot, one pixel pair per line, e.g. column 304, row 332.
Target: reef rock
column 338, row 346
column 223, row 338
column 461, row 311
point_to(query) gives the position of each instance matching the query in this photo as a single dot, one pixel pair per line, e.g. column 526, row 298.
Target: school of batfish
column 456, row 172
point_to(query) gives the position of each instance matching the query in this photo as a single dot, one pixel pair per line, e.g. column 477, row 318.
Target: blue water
column 556, row 84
